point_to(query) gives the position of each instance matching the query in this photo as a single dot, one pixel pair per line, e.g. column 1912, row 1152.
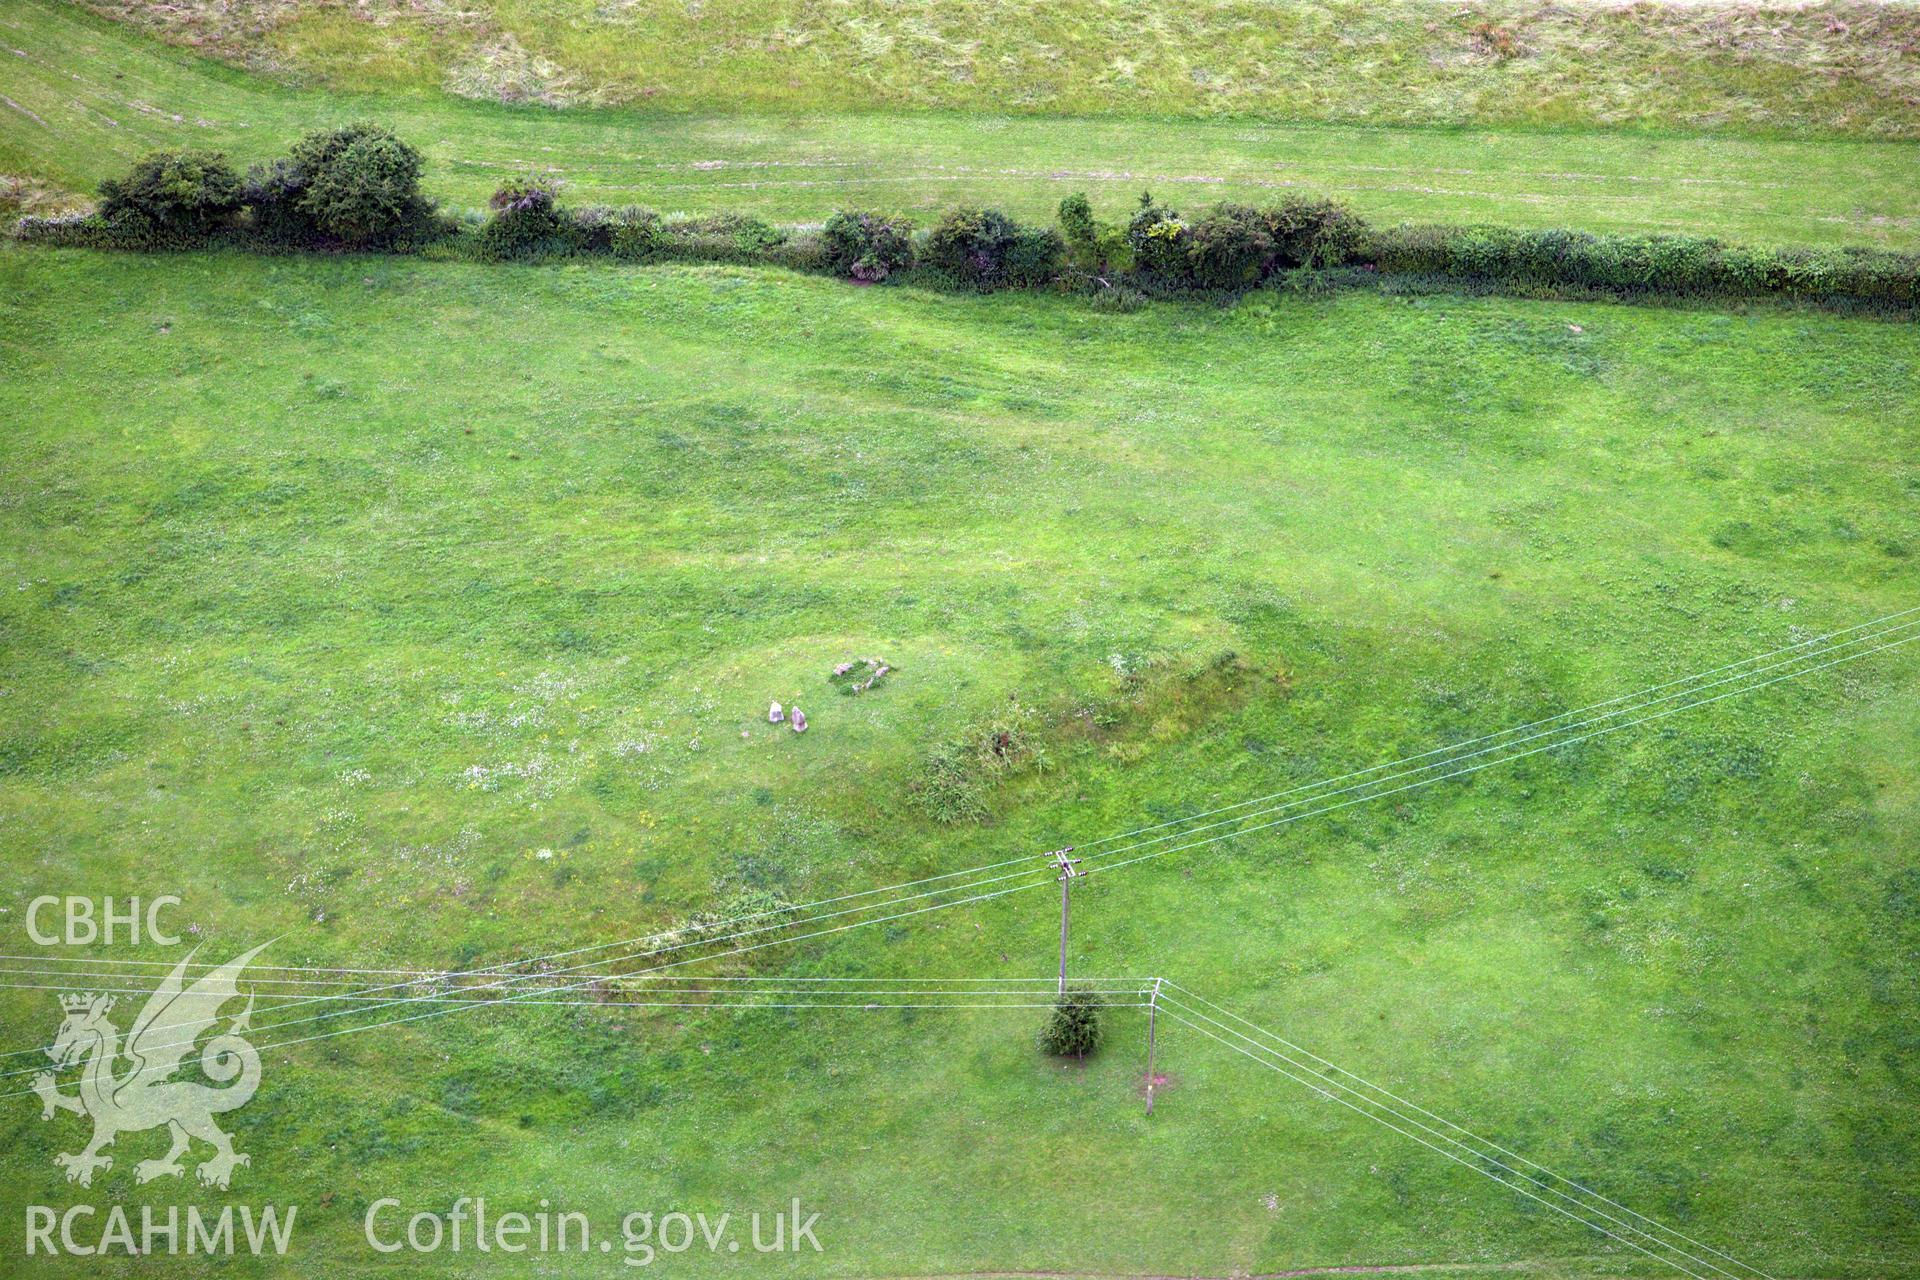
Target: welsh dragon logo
column 143, row 1094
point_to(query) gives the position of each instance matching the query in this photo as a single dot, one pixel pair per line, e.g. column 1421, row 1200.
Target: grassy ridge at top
column 1839, row 68
column 83, row 97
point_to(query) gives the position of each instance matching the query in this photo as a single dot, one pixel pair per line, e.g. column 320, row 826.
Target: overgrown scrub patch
column 958, row 775
column 1234, row 247
column 526, row 219
column 1156, row 699
column 1147, row 700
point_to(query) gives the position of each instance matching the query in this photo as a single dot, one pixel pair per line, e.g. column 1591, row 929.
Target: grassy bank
column 85, row 98
column 1836, row 68
column 340, row 589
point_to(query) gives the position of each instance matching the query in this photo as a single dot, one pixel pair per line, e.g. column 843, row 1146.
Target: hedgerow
column 1635, row 265
column 358, row 188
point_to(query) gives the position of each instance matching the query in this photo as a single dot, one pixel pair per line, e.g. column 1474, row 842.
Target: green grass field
column 425, row 614
column 340, row 589
column 82, row 99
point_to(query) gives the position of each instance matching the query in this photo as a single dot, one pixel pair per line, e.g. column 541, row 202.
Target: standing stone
column 799, row 720
column 774, row 715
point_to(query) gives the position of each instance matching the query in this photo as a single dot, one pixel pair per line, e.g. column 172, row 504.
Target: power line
column 1475, row 1151
column 509, row 999
column 1320, row 787
column 1320, row 791
column 755, row 1000
column 608, row 974
column 1111, row 865
column 1426, row 782
column 1488, row 737
column 1457, row 1128
column 1322, row 794
column 644, row 954
column 1332, row 1097
column 615, row 1000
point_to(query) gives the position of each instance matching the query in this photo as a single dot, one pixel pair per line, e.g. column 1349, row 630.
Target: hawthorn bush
column 357, row 186
column 170, row 199
column 1158, row 238
column 368, row 191
column 985, row 249
column 1229, row 248
column 1315, row 233
column 1091, row 245
column 866, row 245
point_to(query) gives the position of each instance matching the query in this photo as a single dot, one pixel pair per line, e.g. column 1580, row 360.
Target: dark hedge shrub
column 170, row 198
column 970, row 245
column 866, row 245
column 1631, row 265
column 985, row 249
column 272, row 193
column 1315, row 233
column 593, row 228
column 1077, row 225
column 1228, row 248
column 1036, row 257
column 1879, row 277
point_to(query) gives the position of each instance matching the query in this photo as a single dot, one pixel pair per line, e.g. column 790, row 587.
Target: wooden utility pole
column 1068, row 871
column 1153, row 1009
